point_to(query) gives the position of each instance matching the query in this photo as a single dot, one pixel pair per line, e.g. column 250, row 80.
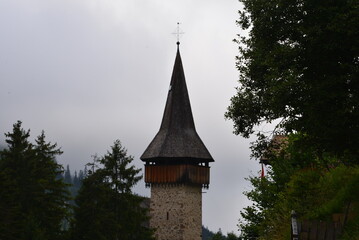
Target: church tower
column 177, row 167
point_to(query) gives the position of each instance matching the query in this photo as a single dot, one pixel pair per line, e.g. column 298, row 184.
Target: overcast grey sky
column 92, row 71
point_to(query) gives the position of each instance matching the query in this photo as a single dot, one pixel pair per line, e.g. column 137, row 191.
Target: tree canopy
column 33, row 202
column 300, row 64
column 299, row 181
column 106, row 207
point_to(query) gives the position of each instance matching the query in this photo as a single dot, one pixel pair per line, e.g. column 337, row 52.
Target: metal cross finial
column 178, row 33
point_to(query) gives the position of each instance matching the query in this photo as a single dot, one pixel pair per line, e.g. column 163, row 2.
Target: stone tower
column 177, row 167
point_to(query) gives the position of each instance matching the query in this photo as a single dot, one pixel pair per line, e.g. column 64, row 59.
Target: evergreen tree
column 81, row 177
column 218, row 236
column 33, row 198
column 106, row 207
column 232, row 236
column 76, row 184
column 85, row 172
column 206, row 233
column 67, row 176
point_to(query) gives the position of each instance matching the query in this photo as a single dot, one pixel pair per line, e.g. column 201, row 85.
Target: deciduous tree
column 300, row 64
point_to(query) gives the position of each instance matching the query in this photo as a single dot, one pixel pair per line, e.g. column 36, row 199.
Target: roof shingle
column 177, row 137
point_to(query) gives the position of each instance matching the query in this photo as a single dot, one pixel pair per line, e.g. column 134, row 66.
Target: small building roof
column 277, row 143
column 177, row 138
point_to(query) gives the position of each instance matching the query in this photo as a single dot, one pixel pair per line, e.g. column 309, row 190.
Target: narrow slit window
column 168, row 215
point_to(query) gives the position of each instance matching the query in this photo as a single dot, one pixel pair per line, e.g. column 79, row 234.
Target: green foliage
column 33, row 202
column 74, row 182
column 316, row 188
column 300, row 64
column 106, row 207
column 250, row 223
column 338, row 187
column 218, row 236
column 67, row 176
column 317, row 194
column 206, row 233
column 232, row 236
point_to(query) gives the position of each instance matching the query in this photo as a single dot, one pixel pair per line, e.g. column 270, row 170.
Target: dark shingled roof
column 177, row 138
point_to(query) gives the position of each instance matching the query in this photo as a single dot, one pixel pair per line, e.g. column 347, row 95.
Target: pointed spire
column 177, row 138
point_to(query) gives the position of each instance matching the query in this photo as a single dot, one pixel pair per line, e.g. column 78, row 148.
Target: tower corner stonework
column 176, row 212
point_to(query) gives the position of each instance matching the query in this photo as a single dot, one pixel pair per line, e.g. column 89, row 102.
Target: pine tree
column 11, row 160
column 232, row 236
column 33, row 198
column 54, row 207
column 67, row 176
column 81, row 177
column 107, row 208
column 85, row 172
column 75, row 185
column 218, row 236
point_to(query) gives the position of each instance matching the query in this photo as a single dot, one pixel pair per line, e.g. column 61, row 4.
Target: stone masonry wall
column 176, row 212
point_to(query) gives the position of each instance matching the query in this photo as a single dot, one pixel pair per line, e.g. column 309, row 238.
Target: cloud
column 91, row 71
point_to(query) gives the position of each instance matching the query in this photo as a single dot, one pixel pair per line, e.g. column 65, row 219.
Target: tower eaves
column 177, row 138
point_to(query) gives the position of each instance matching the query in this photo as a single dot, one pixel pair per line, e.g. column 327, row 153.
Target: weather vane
column 178, row 33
